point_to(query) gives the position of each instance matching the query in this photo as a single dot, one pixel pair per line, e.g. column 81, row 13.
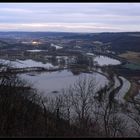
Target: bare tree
column 133, row 112
column 82, row 98
column 111, row 120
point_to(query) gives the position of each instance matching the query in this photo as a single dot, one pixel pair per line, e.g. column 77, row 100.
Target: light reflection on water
column 47, row 82
column 103, row 60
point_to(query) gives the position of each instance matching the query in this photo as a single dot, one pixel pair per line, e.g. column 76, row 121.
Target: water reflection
column 53, row 82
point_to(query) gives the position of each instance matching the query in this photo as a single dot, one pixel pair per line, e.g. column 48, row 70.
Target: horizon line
column 76, row 32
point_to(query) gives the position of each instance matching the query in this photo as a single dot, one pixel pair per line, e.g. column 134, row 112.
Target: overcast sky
column 71, row 17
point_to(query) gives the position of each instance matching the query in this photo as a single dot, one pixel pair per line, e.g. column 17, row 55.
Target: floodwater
column 124, row 89
column 104, row 60
column 51, row 83
column 26, row 63
column 100, row 60
column 35, row 50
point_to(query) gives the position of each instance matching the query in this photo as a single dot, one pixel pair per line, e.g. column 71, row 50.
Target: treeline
column 80, row 111
column 120, row 42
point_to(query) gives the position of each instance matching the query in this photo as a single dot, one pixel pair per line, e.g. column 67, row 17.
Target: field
column 131, row 56
column 132, row 66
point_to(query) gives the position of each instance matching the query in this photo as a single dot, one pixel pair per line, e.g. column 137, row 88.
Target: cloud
column 75, row 27
column 70, row 17
column 15, row 10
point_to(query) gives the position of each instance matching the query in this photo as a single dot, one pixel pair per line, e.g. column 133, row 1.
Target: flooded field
column 26, row 63
column 104, row 60
column 51, row 83
column 124, row 89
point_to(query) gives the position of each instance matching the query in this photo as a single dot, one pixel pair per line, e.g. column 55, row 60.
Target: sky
column 70, row 17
